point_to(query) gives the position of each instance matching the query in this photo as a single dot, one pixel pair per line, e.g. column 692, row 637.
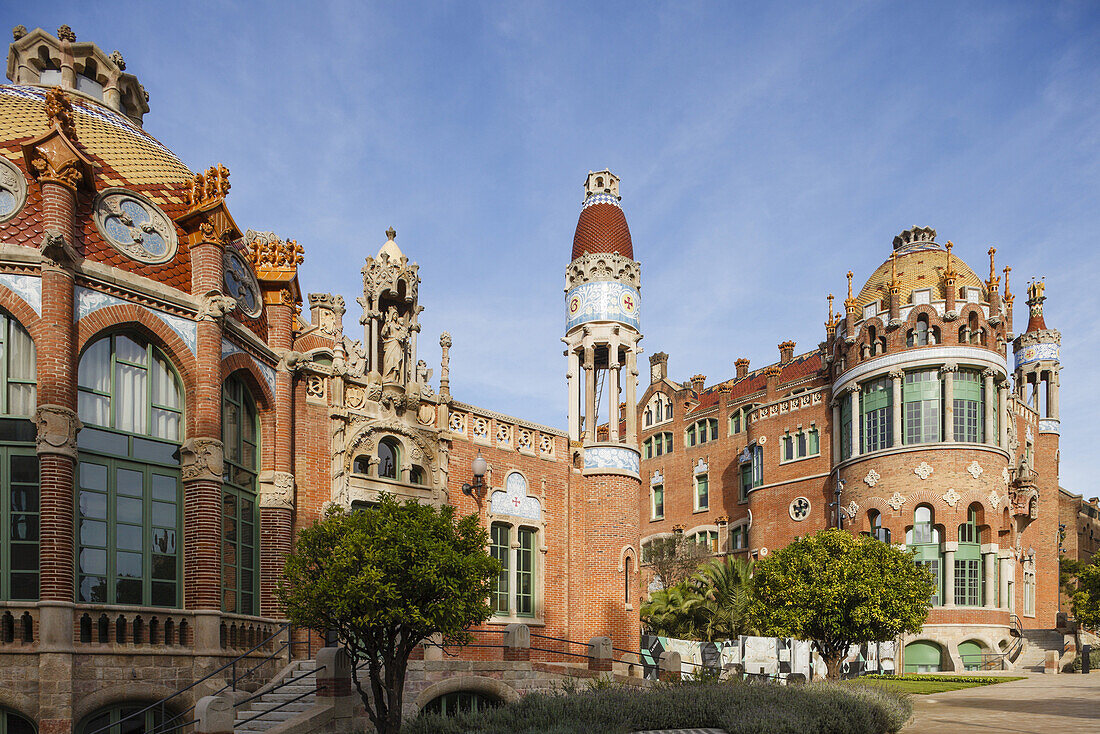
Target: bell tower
column 602, row 332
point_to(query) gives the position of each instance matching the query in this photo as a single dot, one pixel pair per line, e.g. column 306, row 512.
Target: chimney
column 772, row 374
column 658, row 367
column 698, row 382
column 742, row 366
column 786, row 352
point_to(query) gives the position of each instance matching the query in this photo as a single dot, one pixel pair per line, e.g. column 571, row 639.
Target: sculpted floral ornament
column 924, row 470
column 896, row 501
column 135, row 226
column 277, row 490
column 994, row 499
column 951, row 497
column 57, row 427
column 872, row 478
column 201, row 458
column 851, row 510
column 975, row 469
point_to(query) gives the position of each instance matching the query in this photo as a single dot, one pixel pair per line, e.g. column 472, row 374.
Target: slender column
column 989, row 557
column 896, row 406
column 948, row 373
column 835, row 433
column 1002, row 395
column 613, row 402
column 1052, row 393
column 631, row 397
column 990, row 405
column 948, row 594
column 573, row 375
column 856, row 419
column 589, row 392
column 1006, row 576
column 374, row 315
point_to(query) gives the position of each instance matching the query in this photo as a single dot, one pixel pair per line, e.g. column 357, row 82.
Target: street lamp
column 478, row 466
column 839, row 516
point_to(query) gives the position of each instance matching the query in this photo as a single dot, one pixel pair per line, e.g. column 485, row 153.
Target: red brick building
column 169, row 415
column 907, row 422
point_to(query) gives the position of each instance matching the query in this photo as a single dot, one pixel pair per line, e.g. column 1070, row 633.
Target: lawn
column 922, row 684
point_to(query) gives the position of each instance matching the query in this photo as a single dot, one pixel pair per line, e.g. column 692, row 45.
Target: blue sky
column 764, row 150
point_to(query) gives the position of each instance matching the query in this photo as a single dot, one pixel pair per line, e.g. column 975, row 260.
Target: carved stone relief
column 277, row 489
column 57, row 428
column 202, row 458
column 924, row 470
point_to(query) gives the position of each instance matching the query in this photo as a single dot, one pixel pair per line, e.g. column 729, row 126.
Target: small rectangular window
column 525, row 573
column 702, row 492
column 658, row 502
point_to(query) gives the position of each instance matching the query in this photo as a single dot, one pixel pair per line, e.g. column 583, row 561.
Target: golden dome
column 920, row 263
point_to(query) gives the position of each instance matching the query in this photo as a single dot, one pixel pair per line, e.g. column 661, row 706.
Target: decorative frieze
column 57, row 429
column 789, row 405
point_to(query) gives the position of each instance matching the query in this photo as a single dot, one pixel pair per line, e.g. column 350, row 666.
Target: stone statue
column 395, row 334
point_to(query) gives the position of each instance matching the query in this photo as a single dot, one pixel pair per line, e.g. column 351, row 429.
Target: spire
column 1009, row 297
column 950, row 273
column 390, row 247
column 1035, row 296
column 993, row 281
column 894, row 284
column 850, row 301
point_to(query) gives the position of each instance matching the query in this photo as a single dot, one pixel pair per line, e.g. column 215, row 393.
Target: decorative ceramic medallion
column 924, row 470
column 851, row 510
column 994, row 499
column 896, row 501
column 514, row 500
column 951, row 497
column 13, row 190
column 799, row 509
column 975, row 469
column 134, row 226
column 240, row 283
column 872, row 478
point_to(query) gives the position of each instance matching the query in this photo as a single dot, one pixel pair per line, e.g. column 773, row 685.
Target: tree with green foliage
column 385, row 579
column 1086, row 595
column 710, row 605
column 837, row 589
column 674, row 612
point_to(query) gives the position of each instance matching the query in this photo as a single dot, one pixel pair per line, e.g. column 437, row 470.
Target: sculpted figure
column 395, row 334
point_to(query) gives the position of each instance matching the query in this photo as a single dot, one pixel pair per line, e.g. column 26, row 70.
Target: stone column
column 1002, row 395
column 613, row 402
column 948, row 373
column 1052, row 393
column 856, row 419
column 897, row 407
column 1005, row 559
column 631, row 396
column 573, row 376
column 948, row 595
column 989, row 405
column 589, row 391
column 989, row 557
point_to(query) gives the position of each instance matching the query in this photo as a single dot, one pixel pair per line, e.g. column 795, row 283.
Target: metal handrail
column 285, row 627
column 287, row 682
column 275, row 708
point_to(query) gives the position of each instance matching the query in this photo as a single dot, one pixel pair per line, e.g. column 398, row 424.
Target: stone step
column 264, row 705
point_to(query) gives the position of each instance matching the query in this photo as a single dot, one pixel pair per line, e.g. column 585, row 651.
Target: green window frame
column 876, row 423
column 739, row 538
column 702, row 492
column 17, row 369
column 735, row 423
column 969, row 580
column 689, row 435
column 923, row 540
column 19, row 524
column 240, row 515
column 389, row 458
column 921, row 395
column 129, row 527
column 746, row 481
column 657, row 505
column 968, row 406
column 525, row 573
column 708, row 539
column 500, row 547
column 845, row 429
column 13, row 723
column 799, row 445
column 129, row 492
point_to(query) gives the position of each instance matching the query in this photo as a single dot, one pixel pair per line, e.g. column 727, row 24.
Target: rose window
column 134, row 226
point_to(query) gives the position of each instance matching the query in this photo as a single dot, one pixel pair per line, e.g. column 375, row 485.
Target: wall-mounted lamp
column 478, row 466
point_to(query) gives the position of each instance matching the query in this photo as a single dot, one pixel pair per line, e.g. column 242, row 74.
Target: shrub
column 980, row 680
column 1094, row 661
column 738, row 709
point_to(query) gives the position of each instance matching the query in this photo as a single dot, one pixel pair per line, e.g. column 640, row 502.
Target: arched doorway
column 924, row 656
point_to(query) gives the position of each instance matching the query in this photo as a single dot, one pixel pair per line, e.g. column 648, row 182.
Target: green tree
column 726, row 587
column 1086, row 596
column 838, row 589
column 385, row 579
column 675, row 611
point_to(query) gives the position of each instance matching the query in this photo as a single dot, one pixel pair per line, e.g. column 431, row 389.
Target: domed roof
column 920, row 263
column 125, row 157
column 602, row 228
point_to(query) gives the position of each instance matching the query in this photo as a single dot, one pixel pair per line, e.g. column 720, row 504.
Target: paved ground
column 1040, row 704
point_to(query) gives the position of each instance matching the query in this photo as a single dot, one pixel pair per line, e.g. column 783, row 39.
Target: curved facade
column 909, row 423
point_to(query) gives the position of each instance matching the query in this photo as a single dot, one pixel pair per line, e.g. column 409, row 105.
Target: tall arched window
column 128, row 476
column 969, row 581
column 918, row 335
column 13, row 723
column 240, row 551
column 19, row 518
column 389, row 458
column 924, row 540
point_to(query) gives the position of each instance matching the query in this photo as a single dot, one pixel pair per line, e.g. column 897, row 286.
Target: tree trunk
column 832, row 665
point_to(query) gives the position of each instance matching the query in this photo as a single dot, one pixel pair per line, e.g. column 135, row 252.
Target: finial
column 893, row 269
column 65, row 33
column 850, row 274
column 59, row 111
column 391, row 233
column 992, row 267
column 950, row 273
column 1008, row 296
column 207, row 188
column 18, row 32
column 830, row 298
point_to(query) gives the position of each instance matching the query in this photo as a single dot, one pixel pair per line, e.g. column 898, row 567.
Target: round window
column 240, row 283
column 799, row 509
column 13, row 190
column 134, row 226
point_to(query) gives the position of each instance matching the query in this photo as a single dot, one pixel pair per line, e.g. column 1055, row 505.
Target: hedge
column 735, row 707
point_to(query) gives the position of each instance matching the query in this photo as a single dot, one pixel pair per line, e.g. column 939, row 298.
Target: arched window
column 918, row 335
column 458, row 702
column 923, row 657
column 13, row 723
column 240, row 551
column 128, row 476
column 969, row 580
column 924, row 540
column 874, row 519
column 416, row 475
column 626, row 579
column 126, row 718
column 19, row 517
column 361, row 465
column 389, row 458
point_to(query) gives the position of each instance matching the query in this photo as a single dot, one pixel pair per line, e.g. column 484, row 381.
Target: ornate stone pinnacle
column 391, row 233
column 65, row 33
column 18, row 32
column 993, row 279
column 116, row 56
column 59, row 111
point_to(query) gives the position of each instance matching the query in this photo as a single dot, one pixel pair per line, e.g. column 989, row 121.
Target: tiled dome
column 921, row 262
column 602, row 228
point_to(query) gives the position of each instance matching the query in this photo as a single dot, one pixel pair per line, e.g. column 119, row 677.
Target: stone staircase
column 279, row 694
column 1036, row 645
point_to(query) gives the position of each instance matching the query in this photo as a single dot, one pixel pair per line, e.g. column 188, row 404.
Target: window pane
column 24, row 556
column 128, row 564
column 21, row 398
column 94, row 505
column 164, row 488
column 129, row 350
column 93, row 532
column 128, row 482
column 166, row 424
column 128, row 537
column 92, row 561
column 163, row 540
column 93, row 476
column 130, row 398
column 128, row 591
column 164, row 514
column 128, row 509
column 165, row 390
column 163, row 594
column 94, row 372
column 93, row 589
column 24, row 498
column 164, row 567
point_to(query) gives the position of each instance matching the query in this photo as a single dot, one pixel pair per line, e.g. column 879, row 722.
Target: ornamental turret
column 1037, row 361
column 602, row 331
